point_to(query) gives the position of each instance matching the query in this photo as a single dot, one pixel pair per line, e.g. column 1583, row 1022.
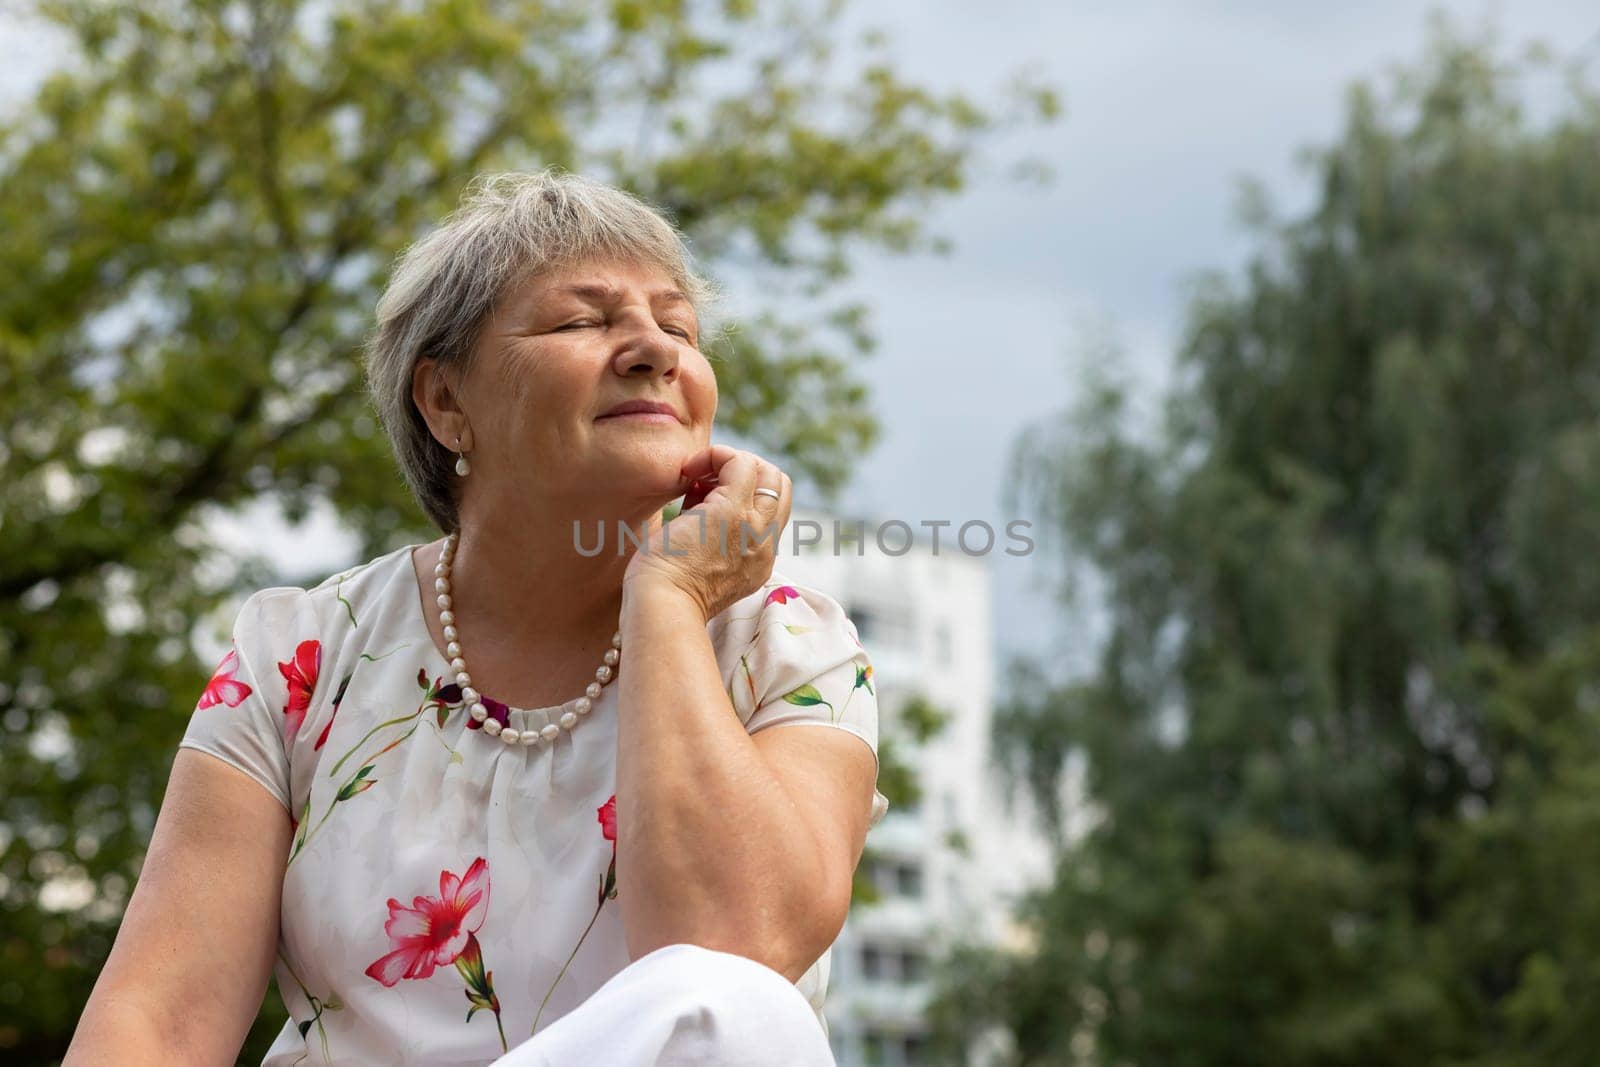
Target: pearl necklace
column 473, row 699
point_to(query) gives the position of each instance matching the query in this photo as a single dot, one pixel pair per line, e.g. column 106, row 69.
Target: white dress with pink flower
column 446, row 894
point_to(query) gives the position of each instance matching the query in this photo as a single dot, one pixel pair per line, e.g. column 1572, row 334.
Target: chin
column 649, row 475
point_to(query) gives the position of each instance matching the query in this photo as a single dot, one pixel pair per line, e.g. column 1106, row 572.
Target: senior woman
column 513, row 796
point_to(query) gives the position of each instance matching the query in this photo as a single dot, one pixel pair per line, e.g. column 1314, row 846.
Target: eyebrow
column 606, row 292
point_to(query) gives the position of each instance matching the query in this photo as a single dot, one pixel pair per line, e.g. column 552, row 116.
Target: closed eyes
column 675, row 329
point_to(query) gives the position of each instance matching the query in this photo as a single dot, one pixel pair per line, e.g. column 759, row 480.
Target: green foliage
column 200, row 210
column 1342, row 744
column 914, row 722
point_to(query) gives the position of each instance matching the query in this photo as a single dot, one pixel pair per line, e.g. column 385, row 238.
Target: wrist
column 657, row 595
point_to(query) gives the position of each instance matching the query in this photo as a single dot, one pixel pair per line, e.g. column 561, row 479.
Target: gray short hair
column 506, row 228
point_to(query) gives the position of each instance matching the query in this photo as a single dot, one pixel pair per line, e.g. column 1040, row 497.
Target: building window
column 866, row 622
column 897, row 878
column 908, row 880
column 944, row 649
column 892, row 1048
column 893, row 963
column 882, row 622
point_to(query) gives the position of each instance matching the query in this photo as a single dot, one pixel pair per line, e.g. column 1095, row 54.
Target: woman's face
column 559, row 352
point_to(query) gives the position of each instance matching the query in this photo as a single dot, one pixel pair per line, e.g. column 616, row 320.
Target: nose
column 653, row 352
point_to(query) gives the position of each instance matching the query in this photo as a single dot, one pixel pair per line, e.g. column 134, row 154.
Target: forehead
column 598, row 283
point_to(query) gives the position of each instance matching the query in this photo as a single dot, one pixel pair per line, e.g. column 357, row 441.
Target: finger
column 705, row 464
column 767, row 504
column 737, row 477
column 699, row 473
column 772, row 511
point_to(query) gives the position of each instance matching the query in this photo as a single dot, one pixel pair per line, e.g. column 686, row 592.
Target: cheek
column 529, row 390
column 700, row 385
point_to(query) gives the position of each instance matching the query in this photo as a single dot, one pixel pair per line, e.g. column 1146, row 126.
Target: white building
column 949, row 868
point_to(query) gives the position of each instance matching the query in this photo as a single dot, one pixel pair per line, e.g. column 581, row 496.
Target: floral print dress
column 447, row 895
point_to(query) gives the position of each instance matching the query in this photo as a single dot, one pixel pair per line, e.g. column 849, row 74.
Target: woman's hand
column 722, row 545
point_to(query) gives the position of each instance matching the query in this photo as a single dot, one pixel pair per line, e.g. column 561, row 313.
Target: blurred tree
column 909, row 724
column 200, row 209
column 1341, row 747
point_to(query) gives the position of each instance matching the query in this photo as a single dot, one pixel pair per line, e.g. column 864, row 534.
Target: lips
column 641, row 407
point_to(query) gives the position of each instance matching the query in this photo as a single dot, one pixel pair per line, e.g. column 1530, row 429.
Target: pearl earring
column 463, row 468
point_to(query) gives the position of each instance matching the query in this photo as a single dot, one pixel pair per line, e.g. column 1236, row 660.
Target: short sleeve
column 259, row 692
column 793, row 658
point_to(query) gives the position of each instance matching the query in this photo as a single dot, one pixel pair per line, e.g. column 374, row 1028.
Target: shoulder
column 381, row 581
column 784, row 634
column 788, row 652
column 796, row 608
column 282, row 616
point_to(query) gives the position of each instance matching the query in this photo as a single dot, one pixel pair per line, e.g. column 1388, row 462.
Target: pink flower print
column 608, row 830
column 781, row 595
column 225, row 687
column 435, row 931
column 432, row 932
column 301, row 674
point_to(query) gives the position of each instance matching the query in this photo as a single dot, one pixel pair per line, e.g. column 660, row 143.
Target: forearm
column 711, row 849
column 124, row 1034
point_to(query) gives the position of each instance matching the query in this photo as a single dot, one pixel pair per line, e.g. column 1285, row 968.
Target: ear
column 440, row 405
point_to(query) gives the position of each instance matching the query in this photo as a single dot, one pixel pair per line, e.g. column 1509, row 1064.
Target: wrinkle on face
column 545, row 384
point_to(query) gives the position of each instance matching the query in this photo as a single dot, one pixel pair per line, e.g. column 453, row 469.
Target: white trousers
column 683, row 1006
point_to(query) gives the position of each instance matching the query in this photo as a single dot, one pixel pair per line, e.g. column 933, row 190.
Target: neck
column 523, row 575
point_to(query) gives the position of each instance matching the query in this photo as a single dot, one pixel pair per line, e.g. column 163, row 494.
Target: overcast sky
column 1168, row 105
